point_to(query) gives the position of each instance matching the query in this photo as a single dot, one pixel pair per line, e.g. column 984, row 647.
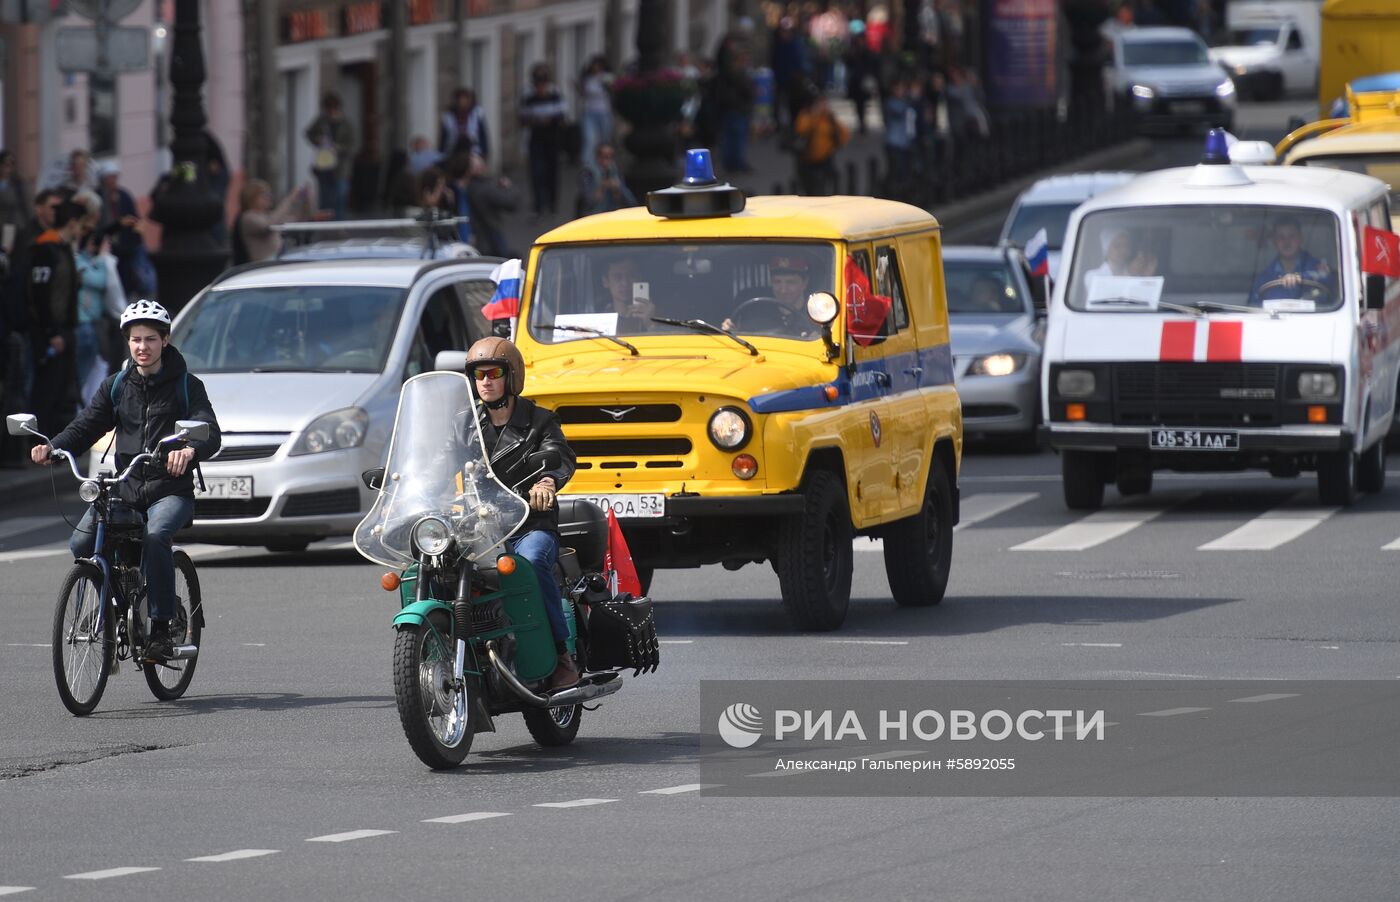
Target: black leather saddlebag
column 622, row 633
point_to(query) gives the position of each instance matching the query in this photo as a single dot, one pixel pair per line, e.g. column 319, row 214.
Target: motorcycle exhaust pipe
column 184, row 652
column 585, row 691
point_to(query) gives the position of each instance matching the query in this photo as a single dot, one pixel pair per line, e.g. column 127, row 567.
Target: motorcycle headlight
column 729, row 428
column 996, row 365
column 432, row 535
column 88, row 491
column 1313, row 386
column 1143, row 92
column 335, row 431
column 1075, row 383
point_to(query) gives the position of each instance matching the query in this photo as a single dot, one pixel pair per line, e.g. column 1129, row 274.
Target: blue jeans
column 541, row 548
column 331, row 191
column 734, row 146
column 597, row 129
column 164, row 518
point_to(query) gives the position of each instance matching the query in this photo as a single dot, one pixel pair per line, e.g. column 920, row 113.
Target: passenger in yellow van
column 634, row 310
column 788, row 275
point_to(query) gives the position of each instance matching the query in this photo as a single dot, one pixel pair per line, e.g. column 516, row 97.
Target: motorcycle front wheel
column 84, row 640
column 436, row 716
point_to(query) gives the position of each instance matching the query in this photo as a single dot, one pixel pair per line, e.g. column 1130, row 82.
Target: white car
column 303, row 362
column 1168, row 78
column 1047, row 205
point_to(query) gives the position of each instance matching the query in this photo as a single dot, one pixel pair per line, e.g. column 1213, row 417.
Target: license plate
column 1188, row 106
column 225, row 487
column 651, row 504
column 1194, row 440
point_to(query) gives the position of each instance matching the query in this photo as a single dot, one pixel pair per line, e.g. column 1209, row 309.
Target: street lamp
column 188, row 210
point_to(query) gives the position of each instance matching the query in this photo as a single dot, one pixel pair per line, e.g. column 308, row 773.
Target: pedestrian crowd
column 71, row 255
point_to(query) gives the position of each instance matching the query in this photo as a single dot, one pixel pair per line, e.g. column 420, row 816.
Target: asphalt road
column 284, row 773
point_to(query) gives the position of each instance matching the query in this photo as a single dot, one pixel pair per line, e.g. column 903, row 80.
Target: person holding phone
column 627, row 295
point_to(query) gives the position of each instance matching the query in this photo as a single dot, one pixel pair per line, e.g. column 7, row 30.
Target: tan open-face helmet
column 499, row 351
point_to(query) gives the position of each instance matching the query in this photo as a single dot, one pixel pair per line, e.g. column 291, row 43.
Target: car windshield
column 315, row 328
column 1191, row 258
column 1251, row 37
column 1031, row 218
column 1164, row 53
column 981, row 287
column 1383, row 166
column 752, row 288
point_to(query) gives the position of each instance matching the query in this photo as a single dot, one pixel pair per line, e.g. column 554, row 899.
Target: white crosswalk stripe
column 1272, row 528
column 1095, row 529
column 975, row 509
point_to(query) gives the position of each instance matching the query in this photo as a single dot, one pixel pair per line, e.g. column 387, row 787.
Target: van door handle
column 915, row 371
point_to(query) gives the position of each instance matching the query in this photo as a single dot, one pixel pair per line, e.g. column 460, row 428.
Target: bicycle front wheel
column 168, row 680
column 84, row 640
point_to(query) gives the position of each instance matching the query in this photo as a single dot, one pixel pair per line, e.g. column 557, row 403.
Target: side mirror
column 196, row 430
column 373, row 478
column 1375, row 292
column 453, row 361
column 22, row 423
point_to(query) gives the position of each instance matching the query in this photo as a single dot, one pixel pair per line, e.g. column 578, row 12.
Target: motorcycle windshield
column 437, row 466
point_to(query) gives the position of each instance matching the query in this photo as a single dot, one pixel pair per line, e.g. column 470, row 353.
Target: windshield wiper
column 699, row 325
column 1234, row 308
column 1140, row 304
column 598, row 333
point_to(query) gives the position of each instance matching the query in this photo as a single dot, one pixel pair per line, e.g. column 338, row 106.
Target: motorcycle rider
column 141, row 403
column 513, row 428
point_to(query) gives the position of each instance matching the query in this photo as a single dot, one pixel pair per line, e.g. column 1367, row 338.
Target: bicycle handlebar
column 125, row 474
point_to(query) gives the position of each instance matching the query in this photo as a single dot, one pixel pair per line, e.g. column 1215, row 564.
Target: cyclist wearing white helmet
column 142, row 403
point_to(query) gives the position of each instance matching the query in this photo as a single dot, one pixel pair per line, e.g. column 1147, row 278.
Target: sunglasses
column 489, row 372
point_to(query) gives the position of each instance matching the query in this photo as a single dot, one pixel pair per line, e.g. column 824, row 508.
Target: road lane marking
column 867, row 641
column 677, row 790
column 986, row 505
column 1272, row 528
column 110, row 872
column 18, row 526
column 11, row 890
column 1172, row 712
column 29, row 554
column 1268, row 697
column 255, row 645
column 467, row 818
column 1393, row 546
column 576, row 803
column 351, row 835
column 1093, row 530
column 1092, row 644
column 236, row 855
column 27, row 644
column 677, row 641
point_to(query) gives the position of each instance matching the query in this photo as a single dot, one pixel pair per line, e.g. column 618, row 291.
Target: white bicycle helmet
column 144, row 311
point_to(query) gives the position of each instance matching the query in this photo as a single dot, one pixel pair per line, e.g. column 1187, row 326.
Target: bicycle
column 91, row 637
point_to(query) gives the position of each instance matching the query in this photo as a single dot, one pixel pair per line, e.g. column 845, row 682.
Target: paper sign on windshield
column 1124, row 292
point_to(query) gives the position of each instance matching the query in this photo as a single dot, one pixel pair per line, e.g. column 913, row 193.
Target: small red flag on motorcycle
column 1380, row 254
column 622, row 573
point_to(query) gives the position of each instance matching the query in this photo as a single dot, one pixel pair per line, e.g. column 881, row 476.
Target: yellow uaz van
column 749, row 380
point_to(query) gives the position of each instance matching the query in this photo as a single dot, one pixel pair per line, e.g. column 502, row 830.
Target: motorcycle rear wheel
column 436, row 718
column 168, row 680
column 82, row 651
column 552, row 727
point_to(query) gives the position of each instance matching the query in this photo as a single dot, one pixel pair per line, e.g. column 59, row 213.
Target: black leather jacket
column 531, row 428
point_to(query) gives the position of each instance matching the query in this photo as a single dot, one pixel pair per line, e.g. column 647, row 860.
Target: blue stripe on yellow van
column 935, row 363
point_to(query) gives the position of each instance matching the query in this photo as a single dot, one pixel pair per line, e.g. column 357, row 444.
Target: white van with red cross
column 1225, row 317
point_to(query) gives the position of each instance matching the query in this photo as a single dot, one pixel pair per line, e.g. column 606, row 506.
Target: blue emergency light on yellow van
column 698, row 194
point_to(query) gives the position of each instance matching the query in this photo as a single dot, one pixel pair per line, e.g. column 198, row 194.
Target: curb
column 963, row 212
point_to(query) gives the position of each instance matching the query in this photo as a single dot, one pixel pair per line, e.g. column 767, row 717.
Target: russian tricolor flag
column 1038, row 254
column 505, row 303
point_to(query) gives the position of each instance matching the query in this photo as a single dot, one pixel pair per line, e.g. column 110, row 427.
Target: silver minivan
column 303, row 362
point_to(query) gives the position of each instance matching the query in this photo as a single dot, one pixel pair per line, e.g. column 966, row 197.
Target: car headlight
column 1225, row 89
column 1143, row 92
column 1075, row 383
column 1314, row 386
column 432, row 535
column 729, row 428
column 88, row 491
column 335, row 431
column 996, row 365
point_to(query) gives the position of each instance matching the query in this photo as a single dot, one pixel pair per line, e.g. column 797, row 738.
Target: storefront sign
column 1021, row 57
column 307, row 25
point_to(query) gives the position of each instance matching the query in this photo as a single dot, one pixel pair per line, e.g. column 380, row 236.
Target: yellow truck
column 756, row 379
column 1359, row 37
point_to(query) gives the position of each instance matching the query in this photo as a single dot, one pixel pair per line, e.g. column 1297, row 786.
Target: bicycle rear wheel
column 82, row 646
column 168, row 680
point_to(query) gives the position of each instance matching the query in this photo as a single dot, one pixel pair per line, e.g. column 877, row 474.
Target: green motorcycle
column 472, row 640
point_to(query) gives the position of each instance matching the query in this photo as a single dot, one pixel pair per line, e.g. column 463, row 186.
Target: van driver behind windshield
column 1287, row 275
